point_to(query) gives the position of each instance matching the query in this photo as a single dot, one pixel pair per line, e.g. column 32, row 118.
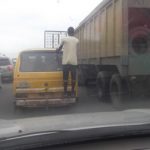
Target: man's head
column 71, row 31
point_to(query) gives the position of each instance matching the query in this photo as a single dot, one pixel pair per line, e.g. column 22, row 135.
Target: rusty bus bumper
column 44, row 102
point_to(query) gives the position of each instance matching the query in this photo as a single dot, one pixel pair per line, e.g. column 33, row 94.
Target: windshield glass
column 72, row 57
column 39, row 62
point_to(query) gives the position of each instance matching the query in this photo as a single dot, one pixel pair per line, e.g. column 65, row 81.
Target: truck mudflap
column 44, row 103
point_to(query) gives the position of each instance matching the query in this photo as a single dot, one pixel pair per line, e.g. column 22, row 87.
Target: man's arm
column 60, row 47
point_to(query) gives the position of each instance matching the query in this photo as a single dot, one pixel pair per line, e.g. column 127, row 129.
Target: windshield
column 71, row 57
column 39, row 62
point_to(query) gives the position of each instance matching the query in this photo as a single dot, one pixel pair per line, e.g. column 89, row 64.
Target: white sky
column 23, row 22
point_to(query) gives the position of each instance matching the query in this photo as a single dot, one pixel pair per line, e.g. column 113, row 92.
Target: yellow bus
column 38, row 79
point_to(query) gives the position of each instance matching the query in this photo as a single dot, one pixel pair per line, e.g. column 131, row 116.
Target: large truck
column 114, row 48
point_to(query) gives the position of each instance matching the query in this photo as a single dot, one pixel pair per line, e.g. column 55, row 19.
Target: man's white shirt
column 70, row 44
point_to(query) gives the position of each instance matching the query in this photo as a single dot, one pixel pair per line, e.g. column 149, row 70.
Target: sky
column 23, row 22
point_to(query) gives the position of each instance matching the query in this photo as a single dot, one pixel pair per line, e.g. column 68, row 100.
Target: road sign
column 52, row 39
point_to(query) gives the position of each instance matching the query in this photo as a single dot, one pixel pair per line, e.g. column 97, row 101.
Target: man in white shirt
column 69, row 61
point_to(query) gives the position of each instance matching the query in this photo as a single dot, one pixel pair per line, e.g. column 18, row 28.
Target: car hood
column 9, row 128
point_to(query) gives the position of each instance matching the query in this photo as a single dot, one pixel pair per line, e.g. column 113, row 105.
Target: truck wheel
column 118, row 91
column 102, row 84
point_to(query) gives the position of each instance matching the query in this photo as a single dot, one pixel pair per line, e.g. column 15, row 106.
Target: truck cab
column 38, row 79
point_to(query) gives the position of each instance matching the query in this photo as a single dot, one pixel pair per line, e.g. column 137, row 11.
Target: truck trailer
column 114, row 49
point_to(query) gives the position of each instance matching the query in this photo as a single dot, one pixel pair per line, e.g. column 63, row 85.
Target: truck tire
column 118, row 91
column 102, row 84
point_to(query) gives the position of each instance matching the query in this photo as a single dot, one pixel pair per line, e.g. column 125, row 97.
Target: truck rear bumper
column 44, row 103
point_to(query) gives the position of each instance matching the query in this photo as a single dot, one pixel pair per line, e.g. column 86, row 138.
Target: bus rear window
column 40, row 62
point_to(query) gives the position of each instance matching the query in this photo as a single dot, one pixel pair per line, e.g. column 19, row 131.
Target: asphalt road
column 87, row 103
